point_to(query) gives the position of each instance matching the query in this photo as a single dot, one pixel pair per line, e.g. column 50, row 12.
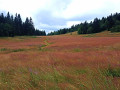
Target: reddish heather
column 70, row 58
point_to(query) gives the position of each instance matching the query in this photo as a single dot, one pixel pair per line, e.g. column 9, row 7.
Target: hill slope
column 101, row 34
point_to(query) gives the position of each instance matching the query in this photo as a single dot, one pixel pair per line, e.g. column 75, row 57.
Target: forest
column 11, row 26
column 14, row 26
column 110, row 23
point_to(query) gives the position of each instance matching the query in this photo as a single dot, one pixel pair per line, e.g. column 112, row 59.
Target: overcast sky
column 52, row 15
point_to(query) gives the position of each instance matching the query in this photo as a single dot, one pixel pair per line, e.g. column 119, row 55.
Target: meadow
column 65, row 62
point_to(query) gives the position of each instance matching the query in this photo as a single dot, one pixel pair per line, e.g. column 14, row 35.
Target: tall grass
column 69, row 63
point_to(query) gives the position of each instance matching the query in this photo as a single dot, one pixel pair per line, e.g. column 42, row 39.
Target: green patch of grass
column 6, row 50
column 75, row 71
column 42, row 48
column 3, row 49
column 69, row 80
column 81, row 71
column 54, row 77
column 18, row 50
column 6, row 79
column 77, row 50
column 46, row 49
column 89, row 35
column 114, row 72
column 58, row 77
column 43, row 45
column 22, row 70
column 99, row 81
column 34, row 79
column 22, row 38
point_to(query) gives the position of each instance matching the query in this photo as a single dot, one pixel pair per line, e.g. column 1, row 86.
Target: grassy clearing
column 68, row 63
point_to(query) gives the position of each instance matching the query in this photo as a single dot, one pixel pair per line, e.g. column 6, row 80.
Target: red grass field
column 66, row 62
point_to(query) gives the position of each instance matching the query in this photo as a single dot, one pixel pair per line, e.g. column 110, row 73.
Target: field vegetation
column 66, row 62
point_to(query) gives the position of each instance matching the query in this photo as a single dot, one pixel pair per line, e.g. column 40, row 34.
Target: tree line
column 14, row 26
column 110, row 23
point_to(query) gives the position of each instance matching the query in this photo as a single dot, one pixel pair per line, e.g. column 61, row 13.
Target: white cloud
column 60, row 10
column 25, row 7
column 82, row 7
column 70, row 23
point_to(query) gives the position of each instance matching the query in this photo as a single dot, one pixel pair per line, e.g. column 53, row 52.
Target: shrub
column 115, row 29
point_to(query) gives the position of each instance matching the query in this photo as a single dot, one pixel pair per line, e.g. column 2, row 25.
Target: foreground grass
column 59, row 63
column 34, row 78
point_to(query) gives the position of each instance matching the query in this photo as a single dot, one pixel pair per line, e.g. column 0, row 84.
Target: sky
column 51, row 15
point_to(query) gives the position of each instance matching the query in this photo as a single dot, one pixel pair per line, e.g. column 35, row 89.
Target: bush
column 115, row 29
